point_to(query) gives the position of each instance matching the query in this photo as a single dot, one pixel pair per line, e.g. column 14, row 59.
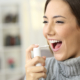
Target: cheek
column 44, row 32
column 65, row 31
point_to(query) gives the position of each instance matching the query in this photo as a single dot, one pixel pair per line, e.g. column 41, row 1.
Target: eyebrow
column 55, row 16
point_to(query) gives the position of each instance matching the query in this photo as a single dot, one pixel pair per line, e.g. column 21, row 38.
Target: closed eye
column 45, row 22
column 59, row 22
column 56, row 22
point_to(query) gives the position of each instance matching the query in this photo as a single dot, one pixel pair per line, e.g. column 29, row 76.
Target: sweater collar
column 70, row 67
column 71, row 61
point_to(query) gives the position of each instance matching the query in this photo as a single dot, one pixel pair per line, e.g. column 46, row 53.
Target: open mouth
column 56, row 46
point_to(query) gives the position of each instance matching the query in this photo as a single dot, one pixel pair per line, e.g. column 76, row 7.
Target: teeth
column 54, row 41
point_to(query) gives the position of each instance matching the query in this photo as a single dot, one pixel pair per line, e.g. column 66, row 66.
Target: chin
column 59, row 57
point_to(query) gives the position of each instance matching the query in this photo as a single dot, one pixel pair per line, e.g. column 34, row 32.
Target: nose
column 50, row 29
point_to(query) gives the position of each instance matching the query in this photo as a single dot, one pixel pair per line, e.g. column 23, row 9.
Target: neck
column 75, row 55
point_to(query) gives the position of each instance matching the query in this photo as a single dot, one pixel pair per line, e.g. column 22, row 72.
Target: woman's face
column 61, row 30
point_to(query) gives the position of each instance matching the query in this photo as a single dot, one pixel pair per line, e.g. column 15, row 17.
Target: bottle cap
column 37, row 52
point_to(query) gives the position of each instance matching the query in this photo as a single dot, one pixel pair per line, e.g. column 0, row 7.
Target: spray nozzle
column 45, row 46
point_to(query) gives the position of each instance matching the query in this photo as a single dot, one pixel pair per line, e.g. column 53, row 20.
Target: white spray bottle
column 37, row 52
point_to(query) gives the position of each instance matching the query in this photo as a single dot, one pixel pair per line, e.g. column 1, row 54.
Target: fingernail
column 36, row 44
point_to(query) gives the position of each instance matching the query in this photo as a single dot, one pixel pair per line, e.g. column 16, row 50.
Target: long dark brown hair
column 74, row 6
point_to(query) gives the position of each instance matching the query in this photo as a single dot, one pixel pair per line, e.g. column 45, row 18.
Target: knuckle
column 37, row 58
column 32, row 75
column 42, row 68
column 28, row 70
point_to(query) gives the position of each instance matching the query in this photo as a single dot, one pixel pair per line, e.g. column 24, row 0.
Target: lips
column 56, row 46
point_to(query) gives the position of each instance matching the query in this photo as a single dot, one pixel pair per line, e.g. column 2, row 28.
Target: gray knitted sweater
column 62, row 70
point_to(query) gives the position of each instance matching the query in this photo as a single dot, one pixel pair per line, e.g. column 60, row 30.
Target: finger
column 38, row 75
column 44, row 57
column 35, row 61
column 36, row 69
column 28, row 51
column 31, row 47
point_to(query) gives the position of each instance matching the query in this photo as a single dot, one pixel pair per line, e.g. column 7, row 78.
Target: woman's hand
column 34, row 72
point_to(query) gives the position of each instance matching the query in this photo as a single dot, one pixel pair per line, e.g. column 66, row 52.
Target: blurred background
column 21, row 24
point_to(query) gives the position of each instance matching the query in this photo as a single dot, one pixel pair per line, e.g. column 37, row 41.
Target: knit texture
column 62, row 70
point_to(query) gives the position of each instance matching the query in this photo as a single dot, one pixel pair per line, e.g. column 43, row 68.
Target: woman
column 62, row 31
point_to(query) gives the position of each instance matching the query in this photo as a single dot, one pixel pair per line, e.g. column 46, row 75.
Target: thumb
column 44, row 57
